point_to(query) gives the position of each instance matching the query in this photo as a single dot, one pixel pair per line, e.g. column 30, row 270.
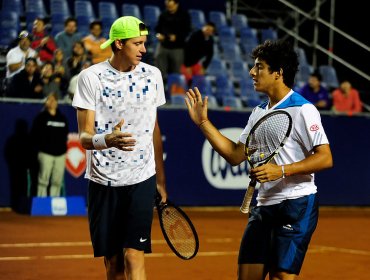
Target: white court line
column 88, row 243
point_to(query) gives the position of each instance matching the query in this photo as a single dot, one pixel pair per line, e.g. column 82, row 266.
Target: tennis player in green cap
column 116, row 102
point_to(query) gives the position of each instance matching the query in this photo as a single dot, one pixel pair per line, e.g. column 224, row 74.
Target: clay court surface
column 58, row 248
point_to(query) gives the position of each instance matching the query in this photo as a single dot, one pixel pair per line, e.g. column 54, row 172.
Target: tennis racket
column 178, row 230
column 264, row 141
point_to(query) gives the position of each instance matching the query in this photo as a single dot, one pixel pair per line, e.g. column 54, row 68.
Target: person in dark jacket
column 173, row 27
column 198, row 51
column 26, row 83
column 49, row 133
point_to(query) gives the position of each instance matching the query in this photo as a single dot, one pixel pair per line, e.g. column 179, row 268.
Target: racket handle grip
column 244, row 208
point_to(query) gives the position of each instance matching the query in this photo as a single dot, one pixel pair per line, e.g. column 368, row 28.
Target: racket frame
column 161, row 207
column 245, row 206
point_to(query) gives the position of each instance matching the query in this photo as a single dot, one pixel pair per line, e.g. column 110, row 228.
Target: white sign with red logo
column 76, row 156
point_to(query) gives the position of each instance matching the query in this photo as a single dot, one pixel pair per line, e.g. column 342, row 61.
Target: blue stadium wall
column 196, row 175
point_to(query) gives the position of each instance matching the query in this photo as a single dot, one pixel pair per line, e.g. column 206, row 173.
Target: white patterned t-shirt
column 133, row 96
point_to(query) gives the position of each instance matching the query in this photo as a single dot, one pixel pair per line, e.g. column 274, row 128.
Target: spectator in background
column 60, row 66
column 42, row 42
column 198, row 51
column 314, row 92
column 73, row 81
column 173, row 27
column 66, row 38
column 49, row 85
column 49, row 134
column 346, row 99
column 26, row 83
column 93, row 41
column 16, row 57
column 75, row 61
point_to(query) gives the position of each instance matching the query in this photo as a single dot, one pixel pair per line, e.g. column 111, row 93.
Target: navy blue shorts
column 121, row 217
column 278, row 235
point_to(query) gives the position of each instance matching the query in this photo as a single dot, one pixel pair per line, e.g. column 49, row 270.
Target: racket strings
column 179, row 232
column 267, row 137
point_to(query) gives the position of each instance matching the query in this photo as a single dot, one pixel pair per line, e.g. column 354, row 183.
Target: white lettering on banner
column 59, row 206
column 218, row 172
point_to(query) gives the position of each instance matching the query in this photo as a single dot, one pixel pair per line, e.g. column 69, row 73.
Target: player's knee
column 134, row 259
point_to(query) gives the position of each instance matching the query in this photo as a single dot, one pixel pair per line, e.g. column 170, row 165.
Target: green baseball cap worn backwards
column 125, row 28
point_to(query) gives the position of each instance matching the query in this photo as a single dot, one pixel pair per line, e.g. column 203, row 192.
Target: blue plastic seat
column 176, row 84
column 218, row 18
column 329, row 76
column 131, row 10
column 7, row 36
column 268, row 34
column 248, row 95
column 216, row 67
column 60, row 7
column 13, row 6
column 198, row 19
column 232, row 102
column 203, row 84
column 83, row 24
column 84, row 8
column 239, row 70
column 239, row 21
column 35, row 6
column 107, row 10
column 151, row 15
column 231, row 53
column 57, row 23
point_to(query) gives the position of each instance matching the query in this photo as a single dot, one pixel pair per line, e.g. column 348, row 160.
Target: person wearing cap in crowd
column 116, row 102
column 16, row 57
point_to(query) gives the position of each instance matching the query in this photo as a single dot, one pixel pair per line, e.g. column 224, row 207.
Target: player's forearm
column 158, row 155
column 228, row 149
column 86, row 140
column 321, row 159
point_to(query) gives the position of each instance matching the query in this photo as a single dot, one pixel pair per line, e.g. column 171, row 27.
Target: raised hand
column 197, row 107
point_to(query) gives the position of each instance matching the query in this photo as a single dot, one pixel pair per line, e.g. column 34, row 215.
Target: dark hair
column 68, row 20
column 31, row 59
column 279, row 55
column 96, row 22
column 316, row 74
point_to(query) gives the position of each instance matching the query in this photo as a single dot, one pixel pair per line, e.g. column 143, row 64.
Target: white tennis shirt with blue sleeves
column 307, row 132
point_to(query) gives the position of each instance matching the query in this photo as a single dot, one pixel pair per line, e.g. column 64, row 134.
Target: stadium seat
column 203, row 84
column 227, row 35
column 329, row 76
column 268, row 34
column 218, row 18
column 238, row 21
column 151, row 15
column 231, row 53
column 198, row 19
column 83, row 24
column 60, row 7
column 131, row 10
column 216, row 67
column 239, row 70
column 13, row 6
column 232, row 102
column 304, row 71
column 35, row 6
column 107, row 10
column 302, row 58
column 249, row 97
column 224, row 87
column 7, row 36
column 176, row 84
column 9, row 20
column 57, row 23
column 84, row 8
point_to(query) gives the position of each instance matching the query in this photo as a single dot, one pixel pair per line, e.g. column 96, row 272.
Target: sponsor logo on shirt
column 314, row 127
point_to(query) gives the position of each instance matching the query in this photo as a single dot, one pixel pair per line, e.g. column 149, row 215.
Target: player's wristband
column 98, row 141
column 283, row 171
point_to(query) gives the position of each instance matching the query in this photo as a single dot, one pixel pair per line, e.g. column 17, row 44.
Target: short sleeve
column 87, row 87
